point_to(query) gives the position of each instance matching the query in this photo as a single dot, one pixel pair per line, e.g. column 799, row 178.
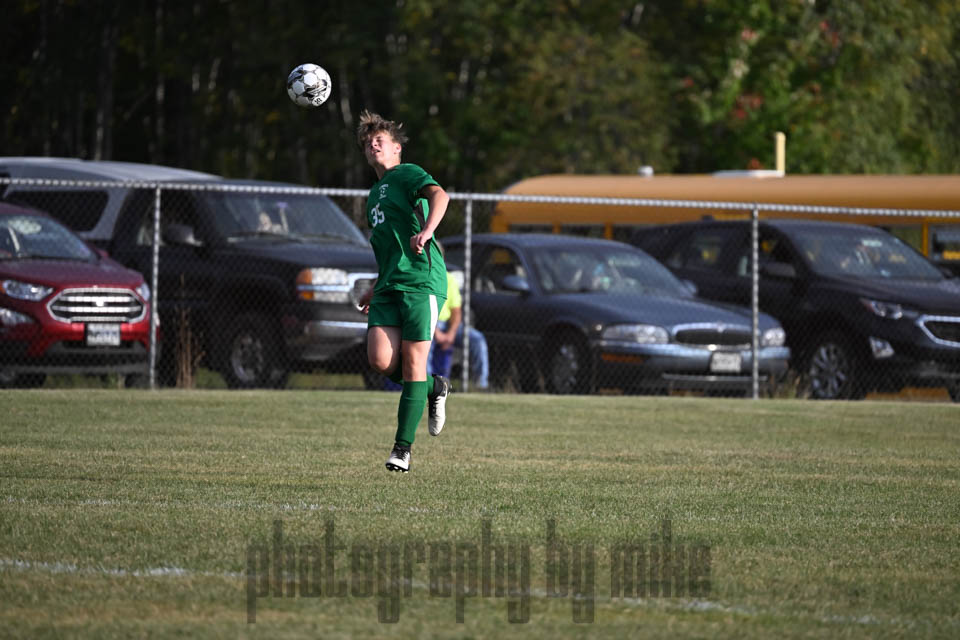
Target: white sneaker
column 399, row 459
column 437, row 407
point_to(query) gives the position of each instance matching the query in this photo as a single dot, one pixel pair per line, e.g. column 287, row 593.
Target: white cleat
column 437, row 407
column 399, row 459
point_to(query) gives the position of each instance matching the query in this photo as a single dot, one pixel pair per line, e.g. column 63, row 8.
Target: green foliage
column 853, row 85
column 491, row 91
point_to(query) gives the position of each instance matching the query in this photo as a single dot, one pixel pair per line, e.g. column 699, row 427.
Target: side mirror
column 516, row 283
column 96, row 249
column 779, row 270
column 181, row 234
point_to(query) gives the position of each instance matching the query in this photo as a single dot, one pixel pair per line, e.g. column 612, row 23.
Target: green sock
column 413, row 399
column 397, row 375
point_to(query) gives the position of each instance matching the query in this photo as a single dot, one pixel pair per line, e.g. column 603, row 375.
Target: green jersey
column 396, row 212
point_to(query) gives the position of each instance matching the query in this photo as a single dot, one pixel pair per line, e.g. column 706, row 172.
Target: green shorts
column 415, row 313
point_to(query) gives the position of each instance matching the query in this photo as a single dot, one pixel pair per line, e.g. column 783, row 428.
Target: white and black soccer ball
column 309, row 85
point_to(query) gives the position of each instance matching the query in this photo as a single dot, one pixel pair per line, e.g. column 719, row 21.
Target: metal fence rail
column 293, row 331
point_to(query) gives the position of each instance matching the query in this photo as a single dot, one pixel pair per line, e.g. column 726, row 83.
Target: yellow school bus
column 936, row 234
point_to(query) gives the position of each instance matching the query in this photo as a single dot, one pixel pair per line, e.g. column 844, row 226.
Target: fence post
column 154, row 312
column 467, row 246
column 755, row 300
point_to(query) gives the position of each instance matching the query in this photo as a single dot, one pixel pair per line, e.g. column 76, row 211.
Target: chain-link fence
column 244, row 284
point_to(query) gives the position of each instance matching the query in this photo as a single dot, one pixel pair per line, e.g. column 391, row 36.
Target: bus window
column 945, row 247
column 702, row 250
column 588, row 230
column 911, row 234
column 624, row 232
column 531, row 228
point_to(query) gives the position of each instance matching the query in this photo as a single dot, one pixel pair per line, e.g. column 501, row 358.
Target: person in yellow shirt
column 449, row 336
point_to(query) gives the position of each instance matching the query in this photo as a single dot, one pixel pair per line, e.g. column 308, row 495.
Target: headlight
column 640, row 333
column 323, row 285
column 11, row 318
column 773, row 338
column 143, row 291
column 24, row 290
column 889, row 310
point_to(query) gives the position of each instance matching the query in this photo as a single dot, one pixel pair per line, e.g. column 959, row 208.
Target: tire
column 9, row 380
column 253, row 355
column 567, row 367
column 833, row 369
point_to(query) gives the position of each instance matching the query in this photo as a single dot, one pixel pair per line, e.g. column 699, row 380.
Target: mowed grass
column 131, row 513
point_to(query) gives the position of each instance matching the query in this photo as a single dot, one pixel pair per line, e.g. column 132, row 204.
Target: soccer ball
column 308, row 85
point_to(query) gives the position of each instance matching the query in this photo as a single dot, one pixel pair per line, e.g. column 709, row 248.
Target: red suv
column 64, row 307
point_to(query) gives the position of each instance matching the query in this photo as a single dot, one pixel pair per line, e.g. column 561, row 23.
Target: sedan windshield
column 587, row 269
column 864, row 253
column 25, row 237
column 294, row 216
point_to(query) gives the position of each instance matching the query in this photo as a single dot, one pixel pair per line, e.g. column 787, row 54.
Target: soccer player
column 403, row 210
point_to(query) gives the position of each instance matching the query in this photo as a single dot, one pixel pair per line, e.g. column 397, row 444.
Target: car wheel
column 253, row 354
column 567, row 368
column 833, row 370
column 10, row 380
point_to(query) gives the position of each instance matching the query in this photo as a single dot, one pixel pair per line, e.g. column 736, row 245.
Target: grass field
column 132, row 514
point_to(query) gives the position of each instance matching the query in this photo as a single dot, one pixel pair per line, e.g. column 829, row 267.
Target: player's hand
column 444, row 340
column 363, row 304
column 419, row 241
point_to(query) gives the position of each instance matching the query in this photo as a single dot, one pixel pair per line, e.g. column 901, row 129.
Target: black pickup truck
column 256, row 279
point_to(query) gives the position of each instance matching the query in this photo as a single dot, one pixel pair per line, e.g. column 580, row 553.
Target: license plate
column 725, row 363
column 103, row 335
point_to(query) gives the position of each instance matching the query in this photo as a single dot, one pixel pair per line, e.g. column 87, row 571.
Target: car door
column 704, row 257
column 506, row 315
column 187, row 276
column 780, row 295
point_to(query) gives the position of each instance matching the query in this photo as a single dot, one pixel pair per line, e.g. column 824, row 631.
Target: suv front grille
column 715, row 335
column 943, row 329
column 96, row 305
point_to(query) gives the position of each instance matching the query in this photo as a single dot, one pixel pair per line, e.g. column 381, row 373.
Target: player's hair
column 372, row 123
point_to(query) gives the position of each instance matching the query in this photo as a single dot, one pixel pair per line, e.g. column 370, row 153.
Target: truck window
column 78, row 209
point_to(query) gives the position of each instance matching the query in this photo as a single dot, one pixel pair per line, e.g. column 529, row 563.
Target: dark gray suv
column 863, row 311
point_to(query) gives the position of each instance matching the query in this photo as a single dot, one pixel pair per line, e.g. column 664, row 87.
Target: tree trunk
column 103, row 134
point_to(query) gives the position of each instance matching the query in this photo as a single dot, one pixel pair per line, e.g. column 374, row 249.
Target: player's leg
column 384, row 336
column 420, row 320
column 383, row 351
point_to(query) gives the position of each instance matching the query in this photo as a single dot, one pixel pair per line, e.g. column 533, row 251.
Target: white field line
column 661, row 604
column 228, row 504
column 72, row 569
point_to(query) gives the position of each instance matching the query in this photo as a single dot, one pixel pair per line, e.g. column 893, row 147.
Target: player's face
column 381, row 150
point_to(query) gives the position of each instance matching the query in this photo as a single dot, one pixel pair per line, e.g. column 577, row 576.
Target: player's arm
column 438, row 200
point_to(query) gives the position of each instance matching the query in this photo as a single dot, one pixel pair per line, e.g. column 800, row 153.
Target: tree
column 848, row 82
